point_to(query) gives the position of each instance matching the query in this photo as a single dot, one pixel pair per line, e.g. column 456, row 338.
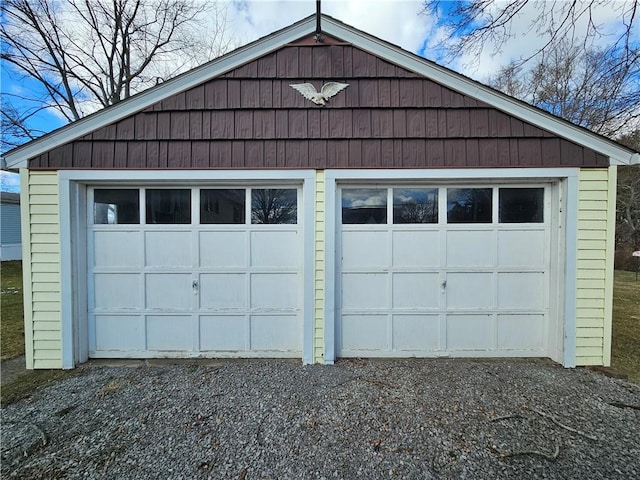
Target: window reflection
column 274, row 205
column 469, row 205
column 222, row 206
column 168, row 206
column 521, row 205
column 116, row 206
column 415, row 205
column 364, row 205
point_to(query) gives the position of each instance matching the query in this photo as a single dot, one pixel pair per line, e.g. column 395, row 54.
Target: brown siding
column 250, row 117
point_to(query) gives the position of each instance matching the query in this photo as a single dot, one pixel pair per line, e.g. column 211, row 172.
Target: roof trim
column 17, row 158
column 618, row 154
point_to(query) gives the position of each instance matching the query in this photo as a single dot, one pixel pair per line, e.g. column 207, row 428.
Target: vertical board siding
column 41, row 269
column 594, row 292
column 319, row 269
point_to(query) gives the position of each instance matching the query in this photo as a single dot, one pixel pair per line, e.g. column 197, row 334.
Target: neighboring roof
column 9, row 197
column 18, row 157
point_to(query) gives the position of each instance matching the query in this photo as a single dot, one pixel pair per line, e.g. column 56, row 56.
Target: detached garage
column 318, row 195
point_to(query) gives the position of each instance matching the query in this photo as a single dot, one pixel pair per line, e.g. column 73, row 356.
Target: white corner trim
column 571, row 265
column 66, row 278
column 330, row 267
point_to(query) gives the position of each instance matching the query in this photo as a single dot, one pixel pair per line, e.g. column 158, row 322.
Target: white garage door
column 195, row 272
column 444, row 270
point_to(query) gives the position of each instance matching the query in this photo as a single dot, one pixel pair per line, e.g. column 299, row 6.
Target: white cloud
column 400, row 22
column 397, row 22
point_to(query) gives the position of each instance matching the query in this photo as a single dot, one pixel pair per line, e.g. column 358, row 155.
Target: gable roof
column 618, row 154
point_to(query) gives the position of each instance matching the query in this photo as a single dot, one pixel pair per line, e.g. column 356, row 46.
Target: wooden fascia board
column 18, row 157
column 617, row 154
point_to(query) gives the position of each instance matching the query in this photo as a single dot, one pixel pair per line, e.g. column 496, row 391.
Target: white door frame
column 567, row 179
column 72, row 197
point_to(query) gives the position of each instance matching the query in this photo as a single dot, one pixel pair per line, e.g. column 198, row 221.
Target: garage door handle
column 194, row 284
column 443, row 285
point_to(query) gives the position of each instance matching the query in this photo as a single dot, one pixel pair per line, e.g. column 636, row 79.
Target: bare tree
column 274, row 205
column 628, row 200
column 89, row 54
column 473, row 25
column 14, row 126
column 590, row 87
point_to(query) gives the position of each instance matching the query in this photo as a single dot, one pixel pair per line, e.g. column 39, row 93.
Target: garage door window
column 364, row 205
column 222, row 206
column 469, row 205
column 168, row 206
column 415, row 205
column 274, row 205
column 521, row 205
column 115, row 206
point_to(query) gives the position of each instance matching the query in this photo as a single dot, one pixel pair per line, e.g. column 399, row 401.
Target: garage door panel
column 466, row 283
column 223, row 291
column 168, row 249
column 275, row 249
column 416, row 332
column 215, row 283
column 521, row 290
column 470, row 332
column 365, row 249
column 469, row 248
column 170, row 332
column 169, row 291
column 223, row 249
column 280, row 333
column 364, row 332
column 521, row 332
column 119, row 333
column 117, row 291
column 117, row 249
column 223, row 332
column 469, row 290
column 521, row 248
column 416, row 290
column 276, row 291
column 365, row 291
column 416, row 249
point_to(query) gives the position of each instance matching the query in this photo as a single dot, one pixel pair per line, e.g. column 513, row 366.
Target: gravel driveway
column 276, row 419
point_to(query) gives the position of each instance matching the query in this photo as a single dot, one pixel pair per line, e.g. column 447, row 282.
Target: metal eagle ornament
column 328, row 90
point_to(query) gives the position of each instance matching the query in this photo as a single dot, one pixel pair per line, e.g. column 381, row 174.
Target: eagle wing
column 329, row 89
column 307, row 90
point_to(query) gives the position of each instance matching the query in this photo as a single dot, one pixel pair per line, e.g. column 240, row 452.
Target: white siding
column 41, row 269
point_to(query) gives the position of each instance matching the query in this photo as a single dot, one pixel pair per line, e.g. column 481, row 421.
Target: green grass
column 29, row 382
column 625, row 348
column 12, row 311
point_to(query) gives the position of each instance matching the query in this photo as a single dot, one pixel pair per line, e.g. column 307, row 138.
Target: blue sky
column 397, row 21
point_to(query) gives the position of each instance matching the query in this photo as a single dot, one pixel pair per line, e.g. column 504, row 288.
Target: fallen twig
column 624, row 405
column 506, row 417
column 550, row 457
column 562, row 425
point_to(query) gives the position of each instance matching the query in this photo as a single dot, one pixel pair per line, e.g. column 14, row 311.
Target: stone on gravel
column 276, row 419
